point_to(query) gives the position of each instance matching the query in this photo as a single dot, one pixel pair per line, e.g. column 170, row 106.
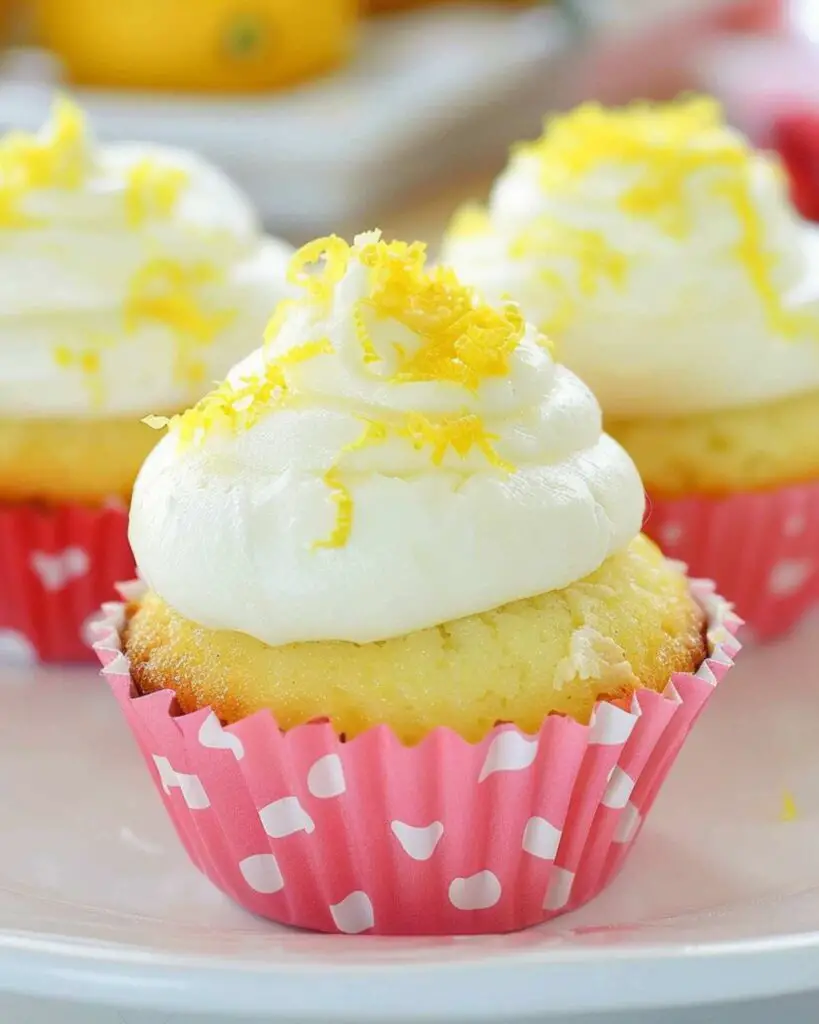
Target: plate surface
column 720, row 899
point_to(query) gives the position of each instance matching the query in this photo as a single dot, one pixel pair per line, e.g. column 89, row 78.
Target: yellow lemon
column 205, row 45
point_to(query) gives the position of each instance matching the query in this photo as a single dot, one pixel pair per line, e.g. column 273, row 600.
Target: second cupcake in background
column 132, row 277
column 662, row 253
column 396, row 557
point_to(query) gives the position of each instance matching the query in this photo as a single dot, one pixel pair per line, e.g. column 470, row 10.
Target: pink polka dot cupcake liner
column 762, row 549
column 57, row 565
column 443, row 838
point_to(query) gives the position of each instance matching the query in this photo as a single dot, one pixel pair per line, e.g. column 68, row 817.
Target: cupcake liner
column 761, row 548
column 57, row 565
column 443, row 838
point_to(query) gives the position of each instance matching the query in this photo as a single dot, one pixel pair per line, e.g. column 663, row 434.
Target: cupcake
column 213, row 45
column 134, row 277
column 401, row 661
column 662, row 253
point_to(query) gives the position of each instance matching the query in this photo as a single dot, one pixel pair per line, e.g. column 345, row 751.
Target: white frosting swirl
column 680, row 324
column 459, row 499
column 128, row 285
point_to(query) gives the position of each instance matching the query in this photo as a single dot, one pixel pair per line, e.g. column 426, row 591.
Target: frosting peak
column 392, row 423
column 661, row 251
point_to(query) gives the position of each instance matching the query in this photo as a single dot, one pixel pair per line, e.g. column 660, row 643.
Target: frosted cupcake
column 132, row 278
column 662, row 253
column 395, row 526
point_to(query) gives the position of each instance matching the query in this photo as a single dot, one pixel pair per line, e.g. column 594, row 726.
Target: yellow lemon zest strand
column 89, row 364
column 152, row 191
column 790, row 811
column 341, row 497
column 319, row 283
column 277, row 321
column 654, row 138
column 373, row 433
column 156, row 422
column 460, row 433
column 364, row 337
column 233, row 408
column 461, row 339
column 167, row 292
column 56, row 158
column 758, row 264
column 596, row 259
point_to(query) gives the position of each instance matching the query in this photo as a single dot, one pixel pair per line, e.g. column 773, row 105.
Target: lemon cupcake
column 401, row 519
column 133, row 278
column 662, row 253
column 214, row 45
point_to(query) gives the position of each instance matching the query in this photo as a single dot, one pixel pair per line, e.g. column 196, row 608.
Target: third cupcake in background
column 660, row 250
column 132, row 276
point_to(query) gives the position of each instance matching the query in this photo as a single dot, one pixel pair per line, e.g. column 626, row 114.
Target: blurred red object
column 656, row 62
column 795, row 136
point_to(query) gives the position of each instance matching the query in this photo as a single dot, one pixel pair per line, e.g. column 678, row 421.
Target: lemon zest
column 461, row 340
column 88, row 362
column 231, row 408
column 664, row 146
column 156, row 422
column 790, row 812
column 152, row 190
column 460, row 433
column 362, row 333
column 319, row 284
column 55, row 158
column 278, row 320
column 373, row 433
column 166, row 291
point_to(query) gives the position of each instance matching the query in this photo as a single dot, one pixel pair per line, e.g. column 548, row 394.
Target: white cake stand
column 98, row 904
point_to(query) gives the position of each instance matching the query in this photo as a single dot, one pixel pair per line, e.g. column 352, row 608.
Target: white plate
column 428, row 91
column 720, row 900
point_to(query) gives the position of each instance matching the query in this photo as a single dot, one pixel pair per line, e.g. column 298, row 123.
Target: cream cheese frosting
column 662, row 254
column 131, row 276
column 397, row 455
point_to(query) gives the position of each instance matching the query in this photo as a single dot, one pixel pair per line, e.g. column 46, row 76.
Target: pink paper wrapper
column 57, row 565
column 442, row 838
column 761, row 548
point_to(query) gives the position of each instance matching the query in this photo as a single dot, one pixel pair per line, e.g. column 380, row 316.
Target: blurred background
column 335, row 115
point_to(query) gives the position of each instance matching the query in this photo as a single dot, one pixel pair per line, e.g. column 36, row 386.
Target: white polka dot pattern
column 541, row 839
column 478, row 892
column 418, row 842
column 759, row 546
column 262, row 874
column 190, row 786
column 57, row 570
column 58, row 563
column 326, row 778
column 790, row 575
column 446, row 837
column 16, row 649
column 285, row 817
column 508, row 752
column 560, row 889
column 212, row 735
column 354, row 914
